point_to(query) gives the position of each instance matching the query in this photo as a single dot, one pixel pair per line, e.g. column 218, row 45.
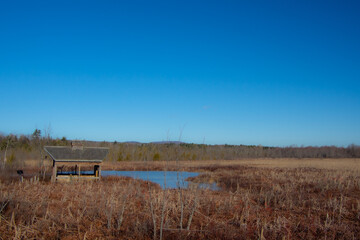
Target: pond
column 173, row 179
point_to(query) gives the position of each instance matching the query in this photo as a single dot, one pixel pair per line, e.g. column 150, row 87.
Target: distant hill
column 167, row 142
column 132, row 142
column 156, row 142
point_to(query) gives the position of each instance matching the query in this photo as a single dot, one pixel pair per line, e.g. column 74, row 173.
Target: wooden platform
column 76, row 158
column 70, row 178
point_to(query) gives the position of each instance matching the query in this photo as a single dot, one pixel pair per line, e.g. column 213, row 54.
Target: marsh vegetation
column 265, row 193
column 278, row 199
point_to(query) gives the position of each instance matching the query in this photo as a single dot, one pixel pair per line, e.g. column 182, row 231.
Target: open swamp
column 257, row 199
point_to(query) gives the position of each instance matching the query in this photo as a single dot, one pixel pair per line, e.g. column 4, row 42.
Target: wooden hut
column 79, row 162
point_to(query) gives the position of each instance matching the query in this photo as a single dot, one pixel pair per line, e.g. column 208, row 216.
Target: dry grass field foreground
column 260, row 199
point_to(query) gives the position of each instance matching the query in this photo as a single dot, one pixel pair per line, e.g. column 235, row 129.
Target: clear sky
column 238, row 72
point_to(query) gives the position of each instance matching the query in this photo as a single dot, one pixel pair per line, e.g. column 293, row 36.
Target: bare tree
column 9, row 139
column 38, row 142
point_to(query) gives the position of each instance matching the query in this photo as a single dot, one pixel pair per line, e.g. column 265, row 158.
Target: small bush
column 11, row 158
column 120, row 158
column 156, row 157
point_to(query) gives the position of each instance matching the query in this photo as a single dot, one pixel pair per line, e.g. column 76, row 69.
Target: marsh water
column 166, row 179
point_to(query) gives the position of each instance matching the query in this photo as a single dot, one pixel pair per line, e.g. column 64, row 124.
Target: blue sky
column 238, row 72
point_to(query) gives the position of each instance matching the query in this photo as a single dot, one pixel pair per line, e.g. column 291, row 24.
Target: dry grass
column 352, row 164
column 32, row 163
column 260, row 199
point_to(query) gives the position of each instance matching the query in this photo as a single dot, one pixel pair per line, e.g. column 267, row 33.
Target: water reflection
column 166, row 179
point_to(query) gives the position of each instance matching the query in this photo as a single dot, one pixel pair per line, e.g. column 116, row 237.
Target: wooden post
column 79, row 171
column 54, row 172
column 99, row 171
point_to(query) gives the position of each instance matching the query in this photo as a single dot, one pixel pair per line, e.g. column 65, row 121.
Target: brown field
column 329, row 163
column 260, row 199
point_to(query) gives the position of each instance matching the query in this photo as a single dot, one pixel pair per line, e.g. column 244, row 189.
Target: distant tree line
column 16, row 148
column 195, row 152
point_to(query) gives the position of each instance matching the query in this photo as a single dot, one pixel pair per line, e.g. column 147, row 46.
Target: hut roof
column 70, row 154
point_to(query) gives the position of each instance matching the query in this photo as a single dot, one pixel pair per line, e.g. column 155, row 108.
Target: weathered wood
column 77, row 174
column 76, row 156
column 54, row 172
